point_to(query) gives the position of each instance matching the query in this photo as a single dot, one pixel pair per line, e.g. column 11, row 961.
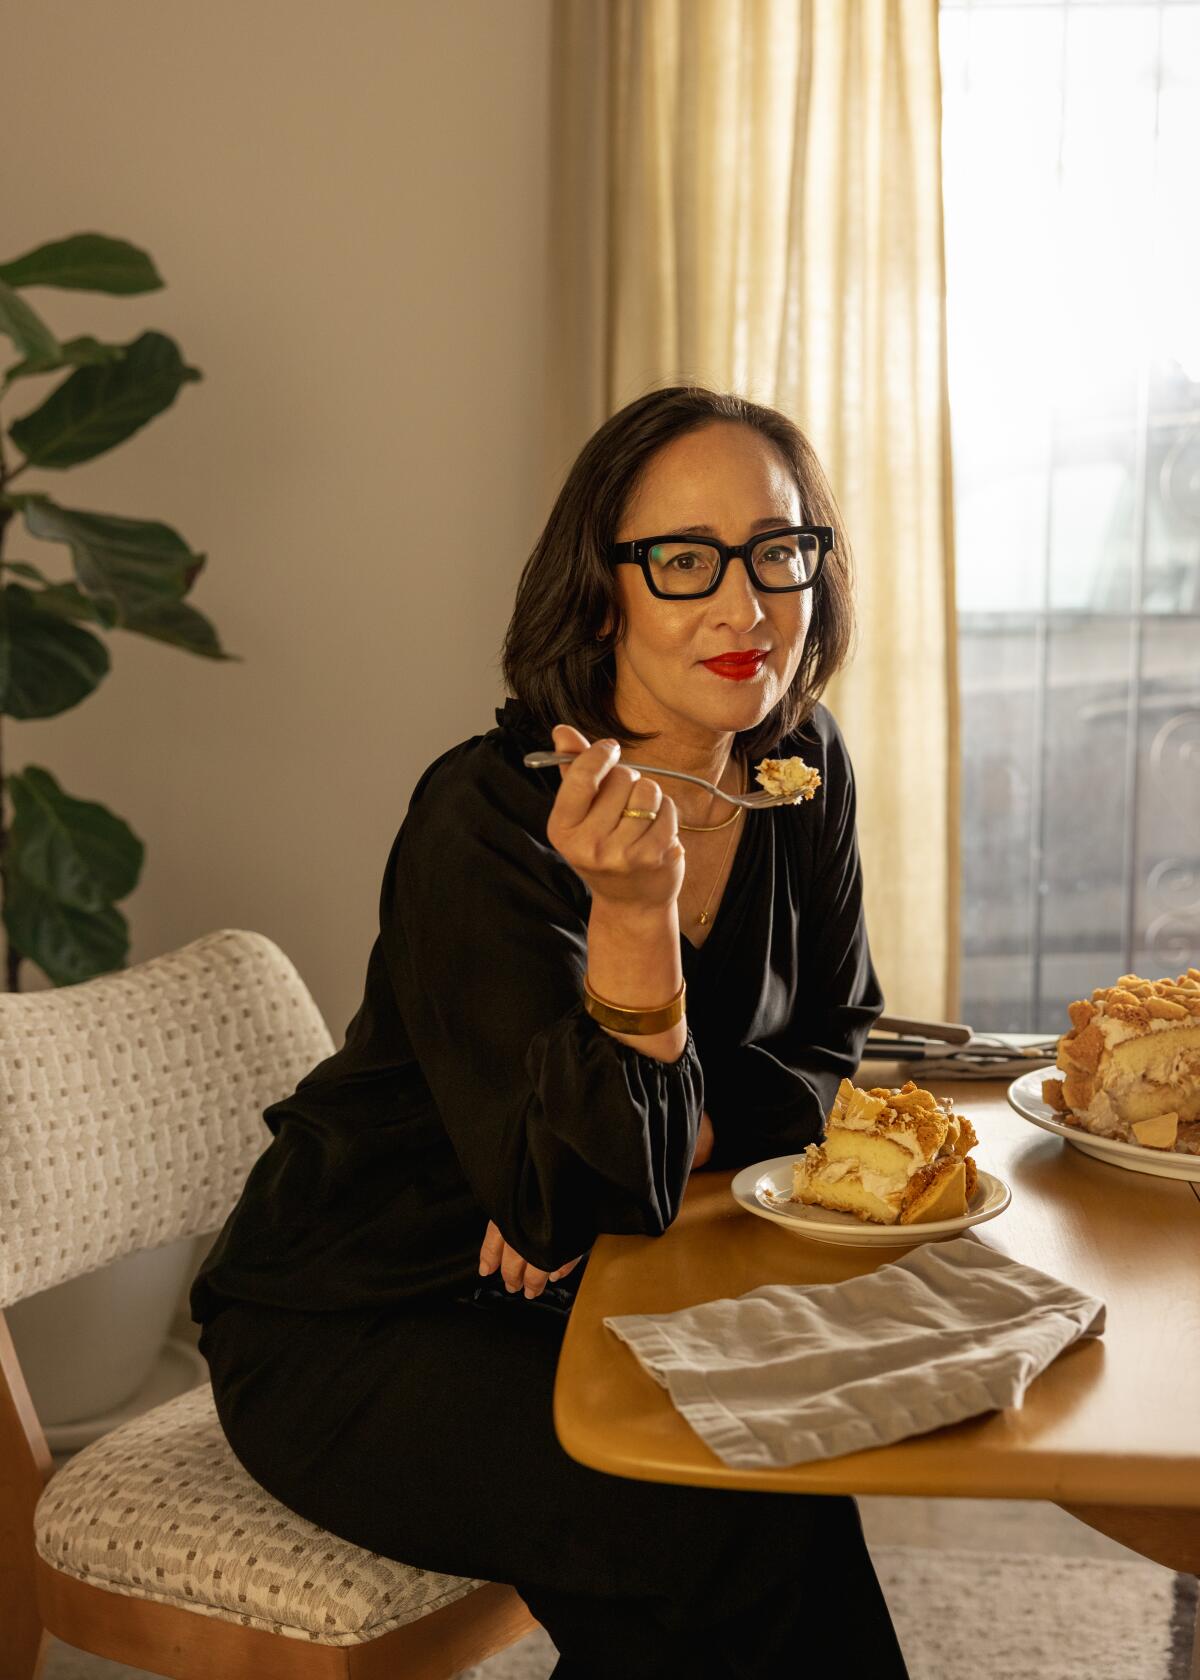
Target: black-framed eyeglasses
column 677, row 567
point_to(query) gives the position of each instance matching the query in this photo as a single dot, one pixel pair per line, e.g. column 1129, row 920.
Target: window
column 1071, row 149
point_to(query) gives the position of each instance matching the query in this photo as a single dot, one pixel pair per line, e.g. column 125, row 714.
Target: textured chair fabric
column 131, row 1105
column 161, row 1509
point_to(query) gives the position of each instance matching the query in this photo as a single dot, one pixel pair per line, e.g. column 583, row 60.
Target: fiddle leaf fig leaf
column 134, row 571
column 97, row 407
column 25, row 327
column 86, row 262
column 62, row 599
column 24, row 569
column 74, row 352
column 181, row 626
column 68, row 945
column 73, row 851
column 65, row 600
column 46, row 666
column 129, row 565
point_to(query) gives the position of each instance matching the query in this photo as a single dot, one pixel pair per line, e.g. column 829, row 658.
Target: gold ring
column 632, row 811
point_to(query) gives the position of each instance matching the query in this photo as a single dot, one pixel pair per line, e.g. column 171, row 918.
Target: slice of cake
column 890, row 1156
column 1131, row 1063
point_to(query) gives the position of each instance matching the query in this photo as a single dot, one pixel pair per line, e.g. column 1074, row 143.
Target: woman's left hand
column 705, row 1138
column 516, row 1270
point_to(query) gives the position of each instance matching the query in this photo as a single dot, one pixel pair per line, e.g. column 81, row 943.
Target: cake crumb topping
column 789, row 778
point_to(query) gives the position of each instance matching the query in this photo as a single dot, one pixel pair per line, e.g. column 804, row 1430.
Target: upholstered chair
column 130, row 1113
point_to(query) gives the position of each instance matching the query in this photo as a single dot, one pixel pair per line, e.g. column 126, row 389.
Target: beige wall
column 348, row 204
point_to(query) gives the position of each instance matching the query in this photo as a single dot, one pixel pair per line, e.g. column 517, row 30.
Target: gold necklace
column 711, row 828
column 704, row 918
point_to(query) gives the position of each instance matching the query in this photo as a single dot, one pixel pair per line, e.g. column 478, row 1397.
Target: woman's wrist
column 633, row 952
column 634, row 962
column 633, row 919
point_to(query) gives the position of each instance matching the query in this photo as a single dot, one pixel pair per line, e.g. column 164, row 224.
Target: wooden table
column 1111, row 1430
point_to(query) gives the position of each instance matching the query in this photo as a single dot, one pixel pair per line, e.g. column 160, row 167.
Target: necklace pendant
column 702, row 918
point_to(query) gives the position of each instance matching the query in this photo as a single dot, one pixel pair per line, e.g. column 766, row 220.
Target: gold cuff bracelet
column 617, row 1018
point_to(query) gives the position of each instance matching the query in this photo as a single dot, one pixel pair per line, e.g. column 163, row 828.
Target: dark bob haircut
column 555, row 658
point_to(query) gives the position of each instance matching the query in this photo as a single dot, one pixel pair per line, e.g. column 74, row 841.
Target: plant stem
column 12, row 957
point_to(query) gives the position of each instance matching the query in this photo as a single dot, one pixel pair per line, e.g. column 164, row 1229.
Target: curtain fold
column 747, row 193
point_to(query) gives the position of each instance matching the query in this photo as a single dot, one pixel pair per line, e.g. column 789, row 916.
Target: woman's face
column 731, row 479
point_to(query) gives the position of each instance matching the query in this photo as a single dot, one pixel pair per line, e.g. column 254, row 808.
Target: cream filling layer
column 819, row 1169
column 903, row 1136
column 1115, row 1032
column 1175, row 1082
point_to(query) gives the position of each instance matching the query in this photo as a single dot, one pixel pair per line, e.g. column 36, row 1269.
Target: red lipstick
column 737, row 667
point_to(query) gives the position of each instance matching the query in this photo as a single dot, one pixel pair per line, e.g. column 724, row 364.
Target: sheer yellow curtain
column 747, row 193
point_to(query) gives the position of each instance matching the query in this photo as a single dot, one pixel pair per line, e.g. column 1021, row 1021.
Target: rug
column 974, row 1615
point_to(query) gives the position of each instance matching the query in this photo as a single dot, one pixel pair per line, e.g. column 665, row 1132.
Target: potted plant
column 66, row 861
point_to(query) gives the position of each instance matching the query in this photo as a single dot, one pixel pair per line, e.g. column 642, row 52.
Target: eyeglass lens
column 689, row 568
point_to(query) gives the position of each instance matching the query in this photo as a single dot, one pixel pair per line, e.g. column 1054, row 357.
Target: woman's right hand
column 624, row 860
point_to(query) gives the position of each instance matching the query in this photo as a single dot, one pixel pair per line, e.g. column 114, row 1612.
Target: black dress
column 362, row 1373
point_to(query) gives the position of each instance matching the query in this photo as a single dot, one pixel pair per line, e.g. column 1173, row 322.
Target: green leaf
column 182, row 626
column 67, row 860
column 74, row 352
column 68, row 945
column 96, row 408
column 64, row 600
column 86, row 262
column 128, row 566
column 134, row 571
column 24, row 569
column 46, row 666
column 25, row 327
column 73, row 850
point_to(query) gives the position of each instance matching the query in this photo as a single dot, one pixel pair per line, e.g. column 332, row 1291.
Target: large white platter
column 1025, row 1095
column 755, row 1187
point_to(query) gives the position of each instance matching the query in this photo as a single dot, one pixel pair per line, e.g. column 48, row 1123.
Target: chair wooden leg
column 25, row 1468
column 23, row 1640
column 24, row 1659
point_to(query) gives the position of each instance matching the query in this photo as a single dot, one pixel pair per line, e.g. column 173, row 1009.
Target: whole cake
column 1131, row 1063
column 891, row 1155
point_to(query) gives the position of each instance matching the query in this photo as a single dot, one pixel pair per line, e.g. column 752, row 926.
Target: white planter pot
column 88, row 1345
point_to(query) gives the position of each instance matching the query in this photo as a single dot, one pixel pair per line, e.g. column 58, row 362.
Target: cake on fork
column 789, row 779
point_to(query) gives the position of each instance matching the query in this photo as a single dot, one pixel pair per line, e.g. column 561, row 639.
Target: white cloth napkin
column 793, row 1372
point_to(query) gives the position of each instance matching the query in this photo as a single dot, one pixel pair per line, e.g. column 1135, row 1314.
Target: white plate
column 752, row 1189
column 1025, row 1095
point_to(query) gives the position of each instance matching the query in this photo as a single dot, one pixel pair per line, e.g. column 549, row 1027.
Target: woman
column 527, row 1069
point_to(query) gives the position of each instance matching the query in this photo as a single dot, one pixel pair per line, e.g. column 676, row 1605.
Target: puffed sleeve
column 561, row 1130
column 771, row 1095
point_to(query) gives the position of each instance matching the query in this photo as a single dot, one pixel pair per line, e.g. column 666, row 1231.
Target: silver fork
column 749, row 801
